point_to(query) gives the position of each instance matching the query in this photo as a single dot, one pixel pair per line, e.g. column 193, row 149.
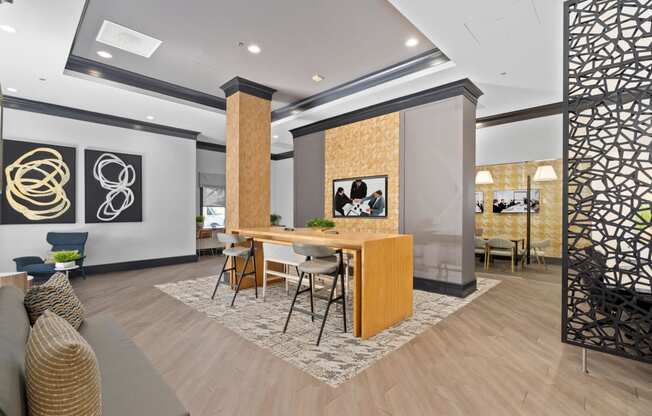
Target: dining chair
column 481, row 248
column 502, row 248
column 539, row 250
column 232, row 253
column 281, row 254
column 322, row 260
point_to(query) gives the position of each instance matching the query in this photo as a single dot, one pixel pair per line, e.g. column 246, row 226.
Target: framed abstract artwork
column 39, row 183
column 113, row 187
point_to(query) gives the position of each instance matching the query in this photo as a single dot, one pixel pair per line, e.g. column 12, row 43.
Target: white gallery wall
column 169, row 192
column 535, row 139
column 282, row 190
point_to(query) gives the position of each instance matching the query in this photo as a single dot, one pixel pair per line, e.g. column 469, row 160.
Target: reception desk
column 382, row 266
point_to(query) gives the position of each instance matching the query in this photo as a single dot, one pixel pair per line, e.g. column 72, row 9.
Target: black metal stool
column 233, row 252
column 322, row 261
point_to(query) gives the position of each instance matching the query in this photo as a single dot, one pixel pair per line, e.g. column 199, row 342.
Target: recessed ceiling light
column 150, row 117
column 253, row 48
column 7, row 28
column 275, row 136
column 412, row 42
column 105, row 54
column 11, row 89
column 317, row 78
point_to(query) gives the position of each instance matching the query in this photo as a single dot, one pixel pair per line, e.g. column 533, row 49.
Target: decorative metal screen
column 608, row 142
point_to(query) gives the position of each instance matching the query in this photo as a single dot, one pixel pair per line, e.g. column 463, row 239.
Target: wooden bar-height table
column 382, row 266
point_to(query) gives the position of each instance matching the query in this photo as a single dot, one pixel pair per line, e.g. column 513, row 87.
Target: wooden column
column 248, row 149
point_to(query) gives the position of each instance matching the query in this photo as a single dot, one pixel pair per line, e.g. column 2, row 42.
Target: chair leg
column 253, row 254
column 513, row 261
column 287, row 321
column 328, row 306
column 312, row 305
column 343, row 299
column 242, row 274
column 264, row 278
column 219, row 277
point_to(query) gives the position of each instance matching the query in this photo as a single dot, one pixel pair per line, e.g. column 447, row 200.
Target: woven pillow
column 56, row 295
column 62, row 377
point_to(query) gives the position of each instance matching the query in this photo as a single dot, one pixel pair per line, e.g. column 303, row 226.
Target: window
column 212, row 206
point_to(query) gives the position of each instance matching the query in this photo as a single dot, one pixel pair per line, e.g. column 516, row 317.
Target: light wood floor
column 500, row 355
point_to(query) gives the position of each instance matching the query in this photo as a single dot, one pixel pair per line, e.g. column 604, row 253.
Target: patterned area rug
column 339, row 356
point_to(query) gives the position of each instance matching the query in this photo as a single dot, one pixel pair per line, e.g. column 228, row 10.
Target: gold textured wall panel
column 366, row 148
column 248, row 144
column 546, row 224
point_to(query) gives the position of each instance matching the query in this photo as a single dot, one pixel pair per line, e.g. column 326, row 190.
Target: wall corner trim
column 461, row 87
column 445, row 288
column 238, row 84
column 41, row 107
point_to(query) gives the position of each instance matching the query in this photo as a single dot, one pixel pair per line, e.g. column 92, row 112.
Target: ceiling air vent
column 127, row 39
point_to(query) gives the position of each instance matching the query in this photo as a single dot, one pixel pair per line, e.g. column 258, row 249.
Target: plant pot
column 65, row 265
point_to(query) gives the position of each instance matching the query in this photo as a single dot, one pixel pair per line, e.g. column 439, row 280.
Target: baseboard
column 138, row 264
column 445, row 288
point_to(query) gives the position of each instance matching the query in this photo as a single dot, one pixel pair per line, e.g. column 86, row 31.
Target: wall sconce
column 484, row 177
column 545, row 173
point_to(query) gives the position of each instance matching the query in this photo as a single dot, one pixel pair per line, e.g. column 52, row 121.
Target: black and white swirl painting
column 114, row 191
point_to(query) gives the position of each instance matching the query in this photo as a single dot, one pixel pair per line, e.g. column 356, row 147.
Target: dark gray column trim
column 520, row 115
column 40, row 107
column 445, row 288
column 417, row 63
column 462, row 87
column 139, row 264
column 249, row 87
column 281, row 156
column 101, row 70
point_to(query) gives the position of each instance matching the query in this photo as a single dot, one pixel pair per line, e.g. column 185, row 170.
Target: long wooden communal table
column 382, row 271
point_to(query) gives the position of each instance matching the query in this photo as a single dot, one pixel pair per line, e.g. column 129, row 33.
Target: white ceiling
column 483, row 38
column 339, row 39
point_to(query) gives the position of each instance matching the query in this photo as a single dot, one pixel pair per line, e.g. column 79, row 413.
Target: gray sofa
column 130, row 385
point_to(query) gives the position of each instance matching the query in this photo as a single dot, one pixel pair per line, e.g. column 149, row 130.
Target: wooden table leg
column 357, row 293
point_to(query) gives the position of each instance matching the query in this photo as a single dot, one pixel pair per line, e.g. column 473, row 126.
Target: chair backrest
column 311, row 250
column 67, row 241
column 540, row 244
column 480, row 242
column 228, row 238
column 479, row 232
column 500, row 243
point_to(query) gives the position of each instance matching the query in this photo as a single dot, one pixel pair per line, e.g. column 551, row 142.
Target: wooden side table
column 19, row 279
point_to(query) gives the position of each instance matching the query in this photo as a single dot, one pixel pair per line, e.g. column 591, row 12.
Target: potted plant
column 200, row 220
column 65, row 259
column 275, row 219
column 320, row 223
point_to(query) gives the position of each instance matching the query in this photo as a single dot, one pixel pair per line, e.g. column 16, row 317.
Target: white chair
column 538, row 248
column 282, row 254
column 502, row 248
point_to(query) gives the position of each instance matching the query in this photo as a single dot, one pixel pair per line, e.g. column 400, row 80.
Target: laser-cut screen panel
column 607, row 269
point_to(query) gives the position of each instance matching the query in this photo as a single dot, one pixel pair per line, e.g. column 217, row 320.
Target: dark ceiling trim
column 462, row 87
column 239, row 84
column 281, row 156
column 40, row 107
column 213, row 147
column 520, row 115
column 417, row 63
column 112, row 73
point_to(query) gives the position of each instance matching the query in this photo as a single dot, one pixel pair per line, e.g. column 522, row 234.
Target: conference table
column 382, row 270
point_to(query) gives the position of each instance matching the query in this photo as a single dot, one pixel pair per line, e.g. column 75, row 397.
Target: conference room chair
column 481, row 249
column 234, row 251
column 499, row 247
column 321, row 260
column 538, row 249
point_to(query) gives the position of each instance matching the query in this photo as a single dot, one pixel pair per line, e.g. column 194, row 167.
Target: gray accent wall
column 438, row 169
column 309, row 178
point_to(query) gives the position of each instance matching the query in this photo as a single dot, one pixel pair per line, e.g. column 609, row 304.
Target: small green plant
column 65, row 256
column 320, row 223
column 275, row 219
column 645, row 214
column 199, row 219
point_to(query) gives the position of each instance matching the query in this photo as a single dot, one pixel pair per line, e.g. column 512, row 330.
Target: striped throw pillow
column 62, row 377
column 58, row 296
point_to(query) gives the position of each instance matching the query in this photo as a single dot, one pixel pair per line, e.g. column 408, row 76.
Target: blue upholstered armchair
column 36, row 266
